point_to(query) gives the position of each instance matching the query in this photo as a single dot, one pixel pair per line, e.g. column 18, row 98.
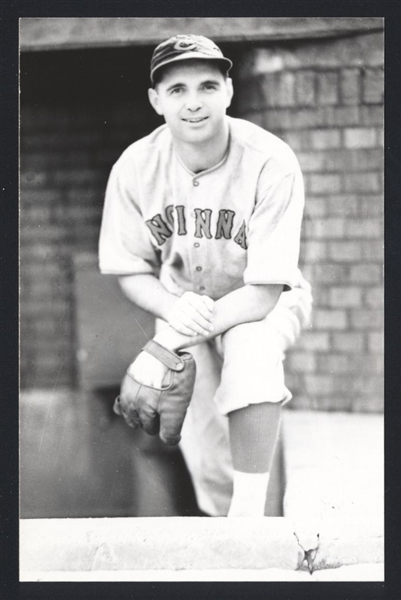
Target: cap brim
column 189, row 56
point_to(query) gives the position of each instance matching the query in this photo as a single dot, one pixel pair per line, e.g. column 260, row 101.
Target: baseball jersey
column 211, row 232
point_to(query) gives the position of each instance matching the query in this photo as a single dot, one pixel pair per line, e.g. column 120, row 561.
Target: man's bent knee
column 252, row 367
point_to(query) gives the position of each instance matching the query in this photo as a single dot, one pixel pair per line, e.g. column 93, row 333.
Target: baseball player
column 201, row 223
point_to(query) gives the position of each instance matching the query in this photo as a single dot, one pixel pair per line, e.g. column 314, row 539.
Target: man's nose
column 194, row 103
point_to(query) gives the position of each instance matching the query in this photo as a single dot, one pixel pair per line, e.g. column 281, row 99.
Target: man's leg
column 204, row 442
column 251, row 393
column 253, row 437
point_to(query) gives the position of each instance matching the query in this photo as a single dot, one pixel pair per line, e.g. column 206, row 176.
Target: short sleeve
column 125, row 247
column 274, row 229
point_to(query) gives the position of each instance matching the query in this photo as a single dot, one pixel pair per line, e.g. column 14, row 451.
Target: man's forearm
column 147, row 292
column 245, row 305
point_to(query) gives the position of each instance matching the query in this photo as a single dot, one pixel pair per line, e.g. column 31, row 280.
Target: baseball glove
column 159, row 410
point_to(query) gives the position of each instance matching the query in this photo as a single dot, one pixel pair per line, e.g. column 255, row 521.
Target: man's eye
column 176, row 91
column 209, row 87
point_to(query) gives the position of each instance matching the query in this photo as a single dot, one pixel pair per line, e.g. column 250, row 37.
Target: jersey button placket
column 201, row 288
column 191, row 203
column 198, row 269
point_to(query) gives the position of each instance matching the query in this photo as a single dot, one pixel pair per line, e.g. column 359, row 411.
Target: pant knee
column 252, row 367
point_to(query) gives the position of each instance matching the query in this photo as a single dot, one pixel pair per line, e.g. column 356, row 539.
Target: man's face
column 193, row 96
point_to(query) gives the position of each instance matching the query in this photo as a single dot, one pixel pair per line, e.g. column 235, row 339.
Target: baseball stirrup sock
column 253, row 436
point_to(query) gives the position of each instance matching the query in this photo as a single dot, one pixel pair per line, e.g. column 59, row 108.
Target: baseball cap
column 183, row 47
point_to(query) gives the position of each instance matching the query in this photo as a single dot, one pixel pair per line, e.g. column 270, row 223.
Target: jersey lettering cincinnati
column 162, row 229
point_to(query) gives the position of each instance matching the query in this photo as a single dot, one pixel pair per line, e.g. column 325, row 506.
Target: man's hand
column 146, row 369
column 192, row 314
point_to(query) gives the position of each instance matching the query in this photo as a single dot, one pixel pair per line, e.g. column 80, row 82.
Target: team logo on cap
column 185, row 43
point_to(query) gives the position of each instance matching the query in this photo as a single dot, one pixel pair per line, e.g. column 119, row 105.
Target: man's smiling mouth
column 195, row 120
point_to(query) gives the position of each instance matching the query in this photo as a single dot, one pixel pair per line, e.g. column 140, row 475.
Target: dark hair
column 158, row 76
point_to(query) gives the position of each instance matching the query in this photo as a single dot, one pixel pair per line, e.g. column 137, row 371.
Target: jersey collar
column 211, row 169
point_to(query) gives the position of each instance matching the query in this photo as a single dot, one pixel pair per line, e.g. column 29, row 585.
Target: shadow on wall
column 78, row 459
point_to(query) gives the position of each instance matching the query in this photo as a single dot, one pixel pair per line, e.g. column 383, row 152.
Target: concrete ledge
column 334, row 470
column 130, row 544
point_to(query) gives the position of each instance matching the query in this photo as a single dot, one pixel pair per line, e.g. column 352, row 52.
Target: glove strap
column 167, row 357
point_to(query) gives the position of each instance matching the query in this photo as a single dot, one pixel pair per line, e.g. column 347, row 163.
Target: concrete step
column 334, row 471
column 126, row 544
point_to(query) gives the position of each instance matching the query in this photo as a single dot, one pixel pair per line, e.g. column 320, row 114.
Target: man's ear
column 154, row 100
column 230, row 91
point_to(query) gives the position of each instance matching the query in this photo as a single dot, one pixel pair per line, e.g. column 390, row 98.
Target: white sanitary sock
column 249, row 497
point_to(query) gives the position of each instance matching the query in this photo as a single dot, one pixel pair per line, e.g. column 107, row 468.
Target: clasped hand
column 192, row 314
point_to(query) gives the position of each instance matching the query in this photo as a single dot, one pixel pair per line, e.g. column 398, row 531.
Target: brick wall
column 326, row 100
column 79, row 110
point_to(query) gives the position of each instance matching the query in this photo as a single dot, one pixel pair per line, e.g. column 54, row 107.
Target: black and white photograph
column 201, row 299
